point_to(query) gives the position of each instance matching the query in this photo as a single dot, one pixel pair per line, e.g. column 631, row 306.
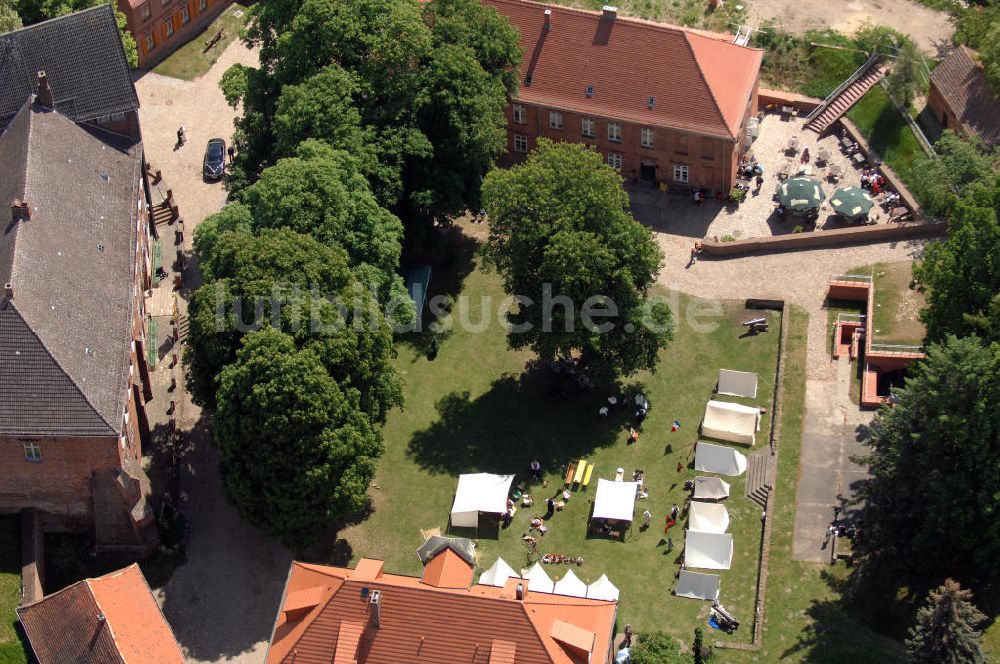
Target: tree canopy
column 560, row 232
column 296, row 449
column 946, row 631
column 930, row 506
column 655, row 648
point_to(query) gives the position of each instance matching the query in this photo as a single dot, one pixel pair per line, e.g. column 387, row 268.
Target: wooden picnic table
column 570, row 473
column 823, row 156
column 846, row 142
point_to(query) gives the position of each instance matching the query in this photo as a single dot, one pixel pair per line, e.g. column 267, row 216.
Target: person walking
column 181, row 136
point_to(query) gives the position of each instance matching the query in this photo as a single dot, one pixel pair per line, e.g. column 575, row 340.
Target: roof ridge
column 107, row 625
column 708, row 86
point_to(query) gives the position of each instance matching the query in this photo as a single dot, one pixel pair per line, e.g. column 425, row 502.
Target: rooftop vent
column 89, row 351
column 651, row 103
column 548, row 19
column 8, row 290
column 100, row 247
column 590, row 90
column 609, row 12
column 105, row 176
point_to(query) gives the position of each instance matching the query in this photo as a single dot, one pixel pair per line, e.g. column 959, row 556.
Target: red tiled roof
column 67, row 626
column 701, row 82
column 963, row 86
column 424, row 624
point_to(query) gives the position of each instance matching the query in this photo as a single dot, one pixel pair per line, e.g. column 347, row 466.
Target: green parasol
column 851, row 202
column 801, row 194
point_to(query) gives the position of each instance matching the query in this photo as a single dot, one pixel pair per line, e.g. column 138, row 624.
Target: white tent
column 538, row 580
column 479, row 492
column 615, row 500
column 498, row 574
column 602, row 589
column 708, row 550
column 708, row 517
column 719, row 459
column 571, row 585
column 731, row 421
column 738, row 383
column 710, row 488
column 697, row 585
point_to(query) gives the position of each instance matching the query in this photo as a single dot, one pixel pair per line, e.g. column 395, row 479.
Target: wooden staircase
column 758, row 484
column 846, row 95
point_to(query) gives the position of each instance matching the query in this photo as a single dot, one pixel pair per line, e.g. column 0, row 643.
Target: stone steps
column 758, row 481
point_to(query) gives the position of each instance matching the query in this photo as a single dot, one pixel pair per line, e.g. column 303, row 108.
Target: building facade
column 161, row 26
column 75, row 262
column 662, row 104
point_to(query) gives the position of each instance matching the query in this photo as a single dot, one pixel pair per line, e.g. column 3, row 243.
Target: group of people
column 749, row 167
column 872, row 180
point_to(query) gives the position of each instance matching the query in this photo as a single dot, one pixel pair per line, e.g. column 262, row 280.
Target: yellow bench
column 586, row 476
column 581, row 469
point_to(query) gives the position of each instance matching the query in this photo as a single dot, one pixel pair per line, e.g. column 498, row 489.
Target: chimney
column 44, row 94
column 8, row 290
column 548, row 19
column 519, row 593
column 19, row 209
column 376, row 604
column 609, row 12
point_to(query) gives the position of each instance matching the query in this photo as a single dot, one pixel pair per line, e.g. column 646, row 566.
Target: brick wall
column 711, row 161
column 159, row 26
column 942, row 113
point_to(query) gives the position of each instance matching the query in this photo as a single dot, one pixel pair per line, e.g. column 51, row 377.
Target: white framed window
column 614, row 132
column 519, row 114
column 32, row 451
column 170, row 27
column 647, row 137
column 520, row 143
column 680, row 173
column 185, row 15
column 150, row 42
column 144, row 11
column 615, row 161
column 201, row 5
column 555, row 120
column 587, row 127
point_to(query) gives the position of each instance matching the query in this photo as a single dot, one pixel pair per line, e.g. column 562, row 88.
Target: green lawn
column 886, row 130
column 11, row 650
column 473, row 408
column 192, row 60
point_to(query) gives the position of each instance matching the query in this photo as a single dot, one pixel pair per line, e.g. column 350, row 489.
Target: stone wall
column 832, row 238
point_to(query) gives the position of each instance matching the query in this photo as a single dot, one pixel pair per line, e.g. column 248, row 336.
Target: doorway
column 648, row 172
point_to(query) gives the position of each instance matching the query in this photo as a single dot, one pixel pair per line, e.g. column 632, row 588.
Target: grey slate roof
column 72, row 270
column 83, row 58
column 435, row 544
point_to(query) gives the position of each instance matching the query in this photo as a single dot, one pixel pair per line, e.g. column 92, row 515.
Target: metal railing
column 897, row 348
column 862, row 70
column 852, row 277
column 918, row 133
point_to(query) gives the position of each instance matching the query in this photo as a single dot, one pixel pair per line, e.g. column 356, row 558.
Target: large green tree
column 296, row 448
column 930, row 506
column 561, row 236
column 947, row 631
column 294, row 283
column 9, row 18
column 655, row 648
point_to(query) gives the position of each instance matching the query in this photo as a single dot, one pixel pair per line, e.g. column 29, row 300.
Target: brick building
column 663, row 104
column 961, row 98
column 160, row 26
column 75, row 260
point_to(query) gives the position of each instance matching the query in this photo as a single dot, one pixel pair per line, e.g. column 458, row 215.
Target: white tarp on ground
column 538, row 580
column 498, row 574
column 571, row 585
column 708, row 517
column 602, row 589
column 710, row 488
column 719, row 459
column 731, row 421
column 738, row 383
column 708, row 550
column 697, row 585
column 615, row 500
column 479, row 492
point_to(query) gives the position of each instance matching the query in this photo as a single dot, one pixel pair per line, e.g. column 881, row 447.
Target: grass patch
column 897, row 306
column 476, row 408
column 12, row 651
column 192, row 60
column 690, row 13
column 886, row 131
column 805, row 618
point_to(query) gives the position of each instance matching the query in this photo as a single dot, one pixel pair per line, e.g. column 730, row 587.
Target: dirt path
column 929, row 28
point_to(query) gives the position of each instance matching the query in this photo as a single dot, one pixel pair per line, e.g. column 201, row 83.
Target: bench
column 570, row 473
column 581, row 470
column 586, row 477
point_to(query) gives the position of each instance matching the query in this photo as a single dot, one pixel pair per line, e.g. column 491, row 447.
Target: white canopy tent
column 738, row 383
column 708, row 550
column 538, row 580
column 710, row 488
column 498, row 574
column 719, row 459
column 615, row 500
column 731, row 421
column 697, row 585
column 479, row 492
column 602, row 589
column 571, row 585
column 708, row 517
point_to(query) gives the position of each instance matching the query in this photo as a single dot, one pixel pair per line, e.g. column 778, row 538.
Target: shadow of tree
column 534, row 416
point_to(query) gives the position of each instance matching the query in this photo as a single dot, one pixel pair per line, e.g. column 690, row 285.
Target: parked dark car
column 215, row 159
